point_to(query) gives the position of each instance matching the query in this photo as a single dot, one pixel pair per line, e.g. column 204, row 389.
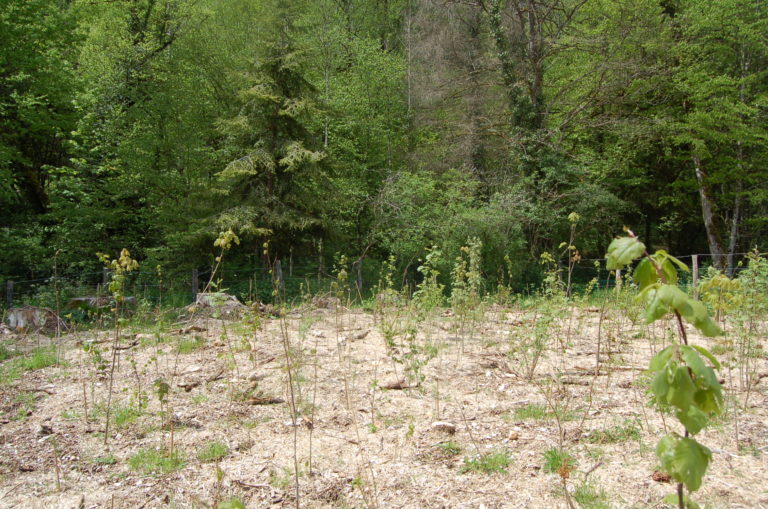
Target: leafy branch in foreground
column 683, row 383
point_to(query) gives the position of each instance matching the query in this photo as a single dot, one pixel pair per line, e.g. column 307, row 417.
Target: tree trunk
column 734, row 236
column 708, row 215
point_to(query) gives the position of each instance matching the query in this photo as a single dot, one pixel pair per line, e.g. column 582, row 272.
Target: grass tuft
column 493, row 463
column 152, row 461
column 212, row 451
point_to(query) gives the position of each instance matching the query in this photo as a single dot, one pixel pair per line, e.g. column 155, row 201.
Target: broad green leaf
column 655, row 308
column 670, row 274
column 710, row 401
column 677, row 262
column 663, row 255
column 677, row 299
column 623, row 251
column 660, row 388
column 702, row 321
column 704, row 375
column 662, row 358
column 706, row 353
column 681, row 389
column 645, row 274
column 684, row 459
column 693, row 419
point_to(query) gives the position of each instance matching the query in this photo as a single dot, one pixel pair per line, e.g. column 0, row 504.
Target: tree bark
column 708, row 215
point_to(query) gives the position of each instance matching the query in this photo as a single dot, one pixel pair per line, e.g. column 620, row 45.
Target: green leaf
column 710, row 401
column 660, row 388
column 677, row 262
column 701, row 320
column 623, row 251
column 661, row 359
column 655, row 308
column 645, row 274
column 681, row 389
column 684, row 459
column 677, row 299
column 706, row 353
column 693, row 419
column 670, row 274
column 664, row 256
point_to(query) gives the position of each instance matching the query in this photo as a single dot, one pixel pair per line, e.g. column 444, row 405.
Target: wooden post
column 290, row 262
column 279, row 277
column 195, row 285
column 618, row 279
column 695, row 275
column 9, row 294
column 359, row 281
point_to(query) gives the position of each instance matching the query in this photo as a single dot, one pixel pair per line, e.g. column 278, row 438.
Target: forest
column 378, row 128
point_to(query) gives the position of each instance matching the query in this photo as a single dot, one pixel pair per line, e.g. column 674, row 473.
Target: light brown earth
column 369, row 447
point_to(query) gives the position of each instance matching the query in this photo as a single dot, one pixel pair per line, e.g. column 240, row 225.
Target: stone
column 444, row 426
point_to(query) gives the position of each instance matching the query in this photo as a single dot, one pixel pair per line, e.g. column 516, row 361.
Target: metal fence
column 251, row 283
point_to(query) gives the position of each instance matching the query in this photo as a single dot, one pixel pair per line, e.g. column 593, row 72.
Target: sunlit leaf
column 684, row 459
column 622, row 251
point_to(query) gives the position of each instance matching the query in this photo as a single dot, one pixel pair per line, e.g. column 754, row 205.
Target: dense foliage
column 378, row 128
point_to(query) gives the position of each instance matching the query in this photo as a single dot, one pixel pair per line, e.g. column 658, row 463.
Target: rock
column 326, row 302
column 34, row 318
column 191, row 369
column 513, row 435
column 444, row 426
column 256, row 376
column 223, row 304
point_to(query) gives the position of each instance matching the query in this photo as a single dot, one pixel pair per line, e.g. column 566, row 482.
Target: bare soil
column 357, row 443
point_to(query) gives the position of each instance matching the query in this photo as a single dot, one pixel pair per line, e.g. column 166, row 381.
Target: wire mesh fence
column 257, row 283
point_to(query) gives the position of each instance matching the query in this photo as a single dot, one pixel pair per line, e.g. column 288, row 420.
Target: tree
column 275, row 173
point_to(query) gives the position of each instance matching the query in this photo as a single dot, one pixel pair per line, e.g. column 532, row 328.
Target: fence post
column 104, row 276
column 290, row 263
column 359, row 280
column 279, row 277
column 618, row 279
column 195, row 285
column 695, row 276
column 9, row 294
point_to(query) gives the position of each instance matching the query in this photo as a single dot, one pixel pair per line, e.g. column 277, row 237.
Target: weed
column 26, row 405
column 283, row 479
column 189, row 345
column 71, row 415
column 152, row 461
column 124, row 416
column 39, row 358
column 107, row 459
column 5, row 352
column 495, row 462
column 558, row 461
column 450, row 447
column 212, row 451
column 9, row 373
column 539, row 412
column 590, row 496
column 232, row 503
column 531, row 411
column 200, row 398
column 629, row 430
